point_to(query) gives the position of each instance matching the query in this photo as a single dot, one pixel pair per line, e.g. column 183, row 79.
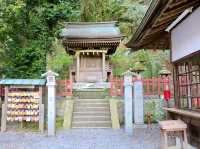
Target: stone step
column 92, row 124
column 92, row 104
column 102, row 113
column 90, row 93
column 91, row 100
column 91, row 109
column 91, row 113
column 91, row 118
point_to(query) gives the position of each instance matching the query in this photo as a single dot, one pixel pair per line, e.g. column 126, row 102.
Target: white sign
column 186, row 36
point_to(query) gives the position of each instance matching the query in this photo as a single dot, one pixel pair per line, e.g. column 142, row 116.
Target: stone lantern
column 138, row 68
column 164, row 72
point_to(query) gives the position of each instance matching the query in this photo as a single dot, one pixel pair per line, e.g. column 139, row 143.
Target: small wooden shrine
column 174, row 25
column 23, row 102
column 91, row 44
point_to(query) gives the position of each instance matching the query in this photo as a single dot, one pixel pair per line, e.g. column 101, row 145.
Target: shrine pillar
column 103, row 66
column 77, row 65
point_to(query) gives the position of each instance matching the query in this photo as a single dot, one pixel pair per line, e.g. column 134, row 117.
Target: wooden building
column 175, row 25
column 91, row 44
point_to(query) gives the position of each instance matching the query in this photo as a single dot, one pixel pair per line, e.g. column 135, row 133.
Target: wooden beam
column 178, row 3
column 186, row 113
column 4, row 110
column 155, row 39
column 163, row 11
column 158, row 35
column 93, row 51
column 155, row 46
column 165, row 20
column 156, row 30
column 180, row 9
column 166, row 14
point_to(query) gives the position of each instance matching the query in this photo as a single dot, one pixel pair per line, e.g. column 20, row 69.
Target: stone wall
column 154, row 106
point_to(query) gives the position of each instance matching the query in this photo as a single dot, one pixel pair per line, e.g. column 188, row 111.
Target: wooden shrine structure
column 91, row 44
column 174, row 25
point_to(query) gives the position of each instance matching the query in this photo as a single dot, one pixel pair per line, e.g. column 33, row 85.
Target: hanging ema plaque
column 23, row 102
column 23, row 106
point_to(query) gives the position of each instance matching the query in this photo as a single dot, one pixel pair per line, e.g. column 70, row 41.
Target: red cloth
column 167, row 95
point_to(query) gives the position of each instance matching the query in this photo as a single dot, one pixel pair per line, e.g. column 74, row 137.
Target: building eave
column 151, row 32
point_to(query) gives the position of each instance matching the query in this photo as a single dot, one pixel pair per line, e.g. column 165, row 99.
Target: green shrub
column 155, row 108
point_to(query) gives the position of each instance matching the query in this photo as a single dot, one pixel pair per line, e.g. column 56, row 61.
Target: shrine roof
column 151, row 32
column 91, row 35
column 91, row 30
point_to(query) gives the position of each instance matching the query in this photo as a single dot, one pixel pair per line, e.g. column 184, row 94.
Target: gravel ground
column 83, row 139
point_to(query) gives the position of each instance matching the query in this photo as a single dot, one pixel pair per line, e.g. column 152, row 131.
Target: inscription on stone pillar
column 138, row 102
column 128, row 102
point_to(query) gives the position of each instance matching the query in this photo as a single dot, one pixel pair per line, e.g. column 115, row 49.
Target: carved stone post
column 128, row 102
column 51, row 84
column 138, row 102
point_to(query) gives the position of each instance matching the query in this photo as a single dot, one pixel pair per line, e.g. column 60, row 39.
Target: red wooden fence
column 156, row 86
column 152, row 86
column 64, row 88
column 116, row 86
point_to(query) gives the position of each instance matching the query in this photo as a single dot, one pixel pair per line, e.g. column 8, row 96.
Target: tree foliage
column 149, row 61
column 27, row 30
column 59, row 60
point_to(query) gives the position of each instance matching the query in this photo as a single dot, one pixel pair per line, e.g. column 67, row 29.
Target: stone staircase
column 91, row 113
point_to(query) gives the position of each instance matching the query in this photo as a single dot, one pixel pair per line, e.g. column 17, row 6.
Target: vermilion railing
column 64, row 88
column 151, row 86
column 116, row 86
column 156, row 86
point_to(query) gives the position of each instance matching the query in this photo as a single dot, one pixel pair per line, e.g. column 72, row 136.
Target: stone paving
column 82, row 139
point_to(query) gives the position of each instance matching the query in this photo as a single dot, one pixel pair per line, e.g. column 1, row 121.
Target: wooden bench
column 176, row 126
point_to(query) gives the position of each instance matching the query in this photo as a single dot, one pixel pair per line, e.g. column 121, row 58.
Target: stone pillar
column 138, row 102
column 128, row 102
column 51, row 84
column 77, row 66
column 103, row 66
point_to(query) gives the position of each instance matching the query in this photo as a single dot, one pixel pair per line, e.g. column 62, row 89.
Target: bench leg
column 185, row 140
column 165, row 140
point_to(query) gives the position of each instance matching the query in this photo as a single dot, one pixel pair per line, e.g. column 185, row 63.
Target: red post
column 111, row 86
column 68, row 87
column 119, row 87
column 158, row 81
column 153, row 86
column 122, row 87
column 147, row 86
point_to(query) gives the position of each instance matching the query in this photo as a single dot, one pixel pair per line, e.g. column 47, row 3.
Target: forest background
column 29, row 35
